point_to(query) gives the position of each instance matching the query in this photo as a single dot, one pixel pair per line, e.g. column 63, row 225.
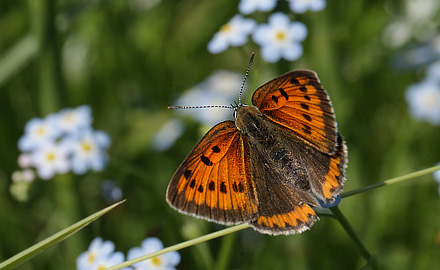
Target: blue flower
column 100, row 255
column 218, row 89
column 433, row 72
column 436, row 176
column 167, row 135
column 88, row 150
column 280, row 38
column 51, row 158
column 166, row 261
column 39, row 131
column 424, row 101
column 234, row 33
column 301, row 6
column 73, row 121
column 250, row 6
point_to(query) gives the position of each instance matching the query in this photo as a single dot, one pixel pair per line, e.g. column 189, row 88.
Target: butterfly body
column 268, row 167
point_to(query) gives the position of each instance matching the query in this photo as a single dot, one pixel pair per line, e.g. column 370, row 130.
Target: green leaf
column 52, row 240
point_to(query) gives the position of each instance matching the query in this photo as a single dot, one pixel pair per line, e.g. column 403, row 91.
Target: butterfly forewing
column 297, row 101
column 213, row 181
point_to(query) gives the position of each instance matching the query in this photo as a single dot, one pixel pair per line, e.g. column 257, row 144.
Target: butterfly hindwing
column 327, row 172
column 213, row 182
column 297, row 101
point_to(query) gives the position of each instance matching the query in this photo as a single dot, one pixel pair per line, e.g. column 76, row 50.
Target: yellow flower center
column 431, row 100
column 41, row 131
column 156, row 261
column 68, row 117
column 281, row 36
column 92, row 257
column 226, row 28
column 51, row 156
column 86, row 147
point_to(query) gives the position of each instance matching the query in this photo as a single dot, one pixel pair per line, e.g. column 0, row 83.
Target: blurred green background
column 131, row 59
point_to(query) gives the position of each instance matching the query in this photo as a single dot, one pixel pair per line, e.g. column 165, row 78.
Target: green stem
column 350, row 231
column 225, row 251
column 391, row 181
column 48, row 58
column 181, row 245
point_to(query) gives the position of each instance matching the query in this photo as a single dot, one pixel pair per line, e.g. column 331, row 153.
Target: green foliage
column 129, row 64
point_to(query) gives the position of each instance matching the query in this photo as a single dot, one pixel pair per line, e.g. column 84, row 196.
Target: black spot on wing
column 211, row 186
column 206, row 160
column 304, row 106
column 216, row 149
column 283, row 93
column 223, row 188
column 307, row 117
column 293, row 80
column 187, row 174
column 192, row 184
column 307, row 129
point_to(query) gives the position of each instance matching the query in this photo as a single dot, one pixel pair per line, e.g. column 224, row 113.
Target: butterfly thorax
column 249, row 120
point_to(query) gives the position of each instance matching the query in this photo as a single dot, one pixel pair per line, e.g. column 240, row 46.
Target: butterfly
column 269, row 166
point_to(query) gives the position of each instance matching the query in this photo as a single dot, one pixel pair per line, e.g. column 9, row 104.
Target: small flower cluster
column 101, row 255
column 279, row 38
column 423, row 98
column 436, row 176
column 218, row 89
column 62, row 142
column 59, row 143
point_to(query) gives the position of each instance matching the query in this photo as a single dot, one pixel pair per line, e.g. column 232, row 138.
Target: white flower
column 24, row 160
column 39, row 131
column 23, row 176
column 166, row 261
column 105, row 262
column 218, row 89
column 436, row 176
column 424, row 101
column 234, row 33
column 88, row 150
column 100, row 253
column 301, row 6
column 51, row 158
column 225, row 83
column 250, row 6
column 433, row 72
column 280, row 38
column 167, row 135
column 75, row 120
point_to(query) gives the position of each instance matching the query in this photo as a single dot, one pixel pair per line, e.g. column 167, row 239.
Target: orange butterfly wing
column 297, row 101
column 213, row 182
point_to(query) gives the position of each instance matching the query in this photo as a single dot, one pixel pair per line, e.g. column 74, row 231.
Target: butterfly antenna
column 200, row 107
column 245, row 77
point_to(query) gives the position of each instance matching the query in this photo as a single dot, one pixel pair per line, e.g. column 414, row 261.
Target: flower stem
column 391, row 181
column 350, row 231
column 224, row 255
column 181, row 245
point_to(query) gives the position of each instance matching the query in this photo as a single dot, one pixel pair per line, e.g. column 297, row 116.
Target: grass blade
column 52, row 240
